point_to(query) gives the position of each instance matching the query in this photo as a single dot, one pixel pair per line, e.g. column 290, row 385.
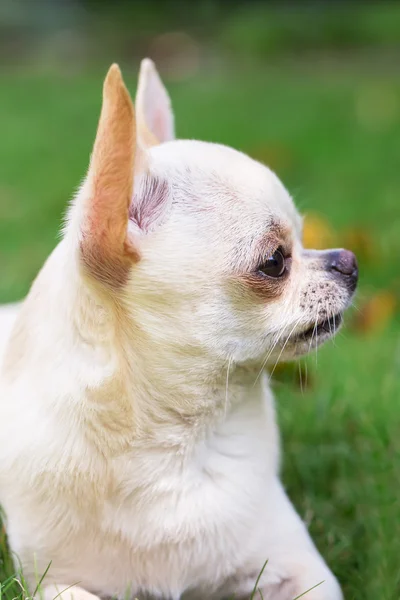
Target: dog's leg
column 64, row 592
column 293, row 565
column 305, row 577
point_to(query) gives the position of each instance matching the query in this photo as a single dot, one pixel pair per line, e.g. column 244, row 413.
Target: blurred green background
column 312, row 90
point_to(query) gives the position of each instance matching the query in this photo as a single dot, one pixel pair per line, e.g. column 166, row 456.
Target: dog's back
column 8, row 314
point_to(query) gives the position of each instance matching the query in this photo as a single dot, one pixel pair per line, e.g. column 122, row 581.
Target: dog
column 139, row 450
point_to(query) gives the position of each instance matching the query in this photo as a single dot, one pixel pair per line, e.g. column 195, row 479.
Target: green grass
column 334, row 138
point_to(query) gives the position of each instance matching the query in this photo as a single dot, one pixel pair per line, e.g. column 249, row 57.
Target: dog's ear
column 120, row 199
column 155, row 120
column 105, row 199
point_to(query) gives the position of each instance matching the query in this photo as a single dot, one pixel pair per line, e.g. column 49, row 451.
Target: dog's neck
column 178, row 395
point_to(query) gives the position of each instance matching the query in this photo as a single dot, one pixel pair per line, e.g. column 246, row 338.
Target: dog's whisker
column 355, row 307
column 313, row 331
column 316, row 336
column 332, row 332
column 300, row 377
column 283, row 347
column 306, row 372
column 227, row 385
column 329, row 321
column 274, row 344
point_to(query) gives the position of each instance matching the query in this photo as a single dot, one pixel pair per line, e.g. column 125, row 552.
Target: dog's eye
column 275, row 265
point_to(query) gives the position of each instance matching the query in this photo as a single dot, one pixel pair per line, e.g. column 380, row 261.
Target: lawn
column 333, row 136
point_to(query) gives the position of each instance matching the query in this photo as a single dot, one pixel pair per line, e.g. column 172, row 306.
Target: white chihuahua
column 139, row 451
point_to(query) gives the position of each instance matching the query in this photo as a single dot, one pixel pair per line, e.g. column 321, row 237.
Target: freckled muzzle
column 341, row 265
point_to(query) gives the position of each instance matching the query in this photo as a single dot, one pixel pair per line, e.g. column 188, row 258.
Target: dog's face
column 210, row 254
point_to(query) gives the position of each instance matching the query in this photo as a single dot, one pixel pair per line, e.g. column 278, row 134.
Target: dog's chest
column 153, row 519
column 180, row 521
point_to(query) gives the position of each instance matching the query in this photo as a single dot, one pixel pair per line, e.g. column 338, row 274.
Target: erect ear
column 108, row 188
column 155, row 120
column 110, row 199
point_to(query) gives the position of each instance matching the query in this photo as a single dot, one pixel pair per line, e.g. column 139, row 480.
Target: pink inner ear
column 149, row 202
column 159, row 125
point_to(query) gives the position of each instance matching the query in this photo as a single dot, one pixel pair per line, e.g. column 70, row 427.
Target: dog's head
column 200, row 244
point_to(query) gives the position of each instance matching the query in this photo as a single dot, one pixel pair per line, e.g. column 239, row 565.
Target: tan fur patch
column 109, row 416
column 263, row 287
column 267, row 288
column 105, row 249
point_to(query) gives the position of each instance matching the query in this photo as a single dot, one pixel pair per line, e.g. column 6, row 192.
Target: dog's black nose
column 344, row 262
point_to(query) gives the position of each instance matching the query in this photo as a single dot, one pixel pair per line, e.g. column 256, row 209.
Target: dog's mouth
column 321, row 330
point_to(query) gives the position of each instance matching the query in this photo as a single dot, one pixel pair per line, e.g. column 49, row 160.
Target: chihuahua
column 139, row 450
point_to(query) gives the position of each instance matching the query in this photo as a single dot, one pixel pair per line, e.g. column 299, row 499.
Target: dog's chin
column 312, row 337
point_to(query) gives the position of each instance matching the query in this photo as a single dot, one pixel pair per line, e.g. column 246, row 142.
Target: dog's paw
column 64, row 592
column 327, row 588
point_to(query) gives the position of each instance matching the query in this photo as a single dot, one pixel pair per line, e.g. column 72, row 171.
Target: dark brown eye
column 275, row 265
